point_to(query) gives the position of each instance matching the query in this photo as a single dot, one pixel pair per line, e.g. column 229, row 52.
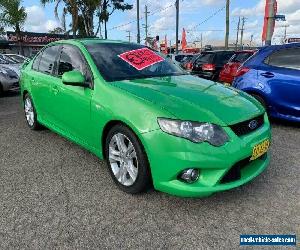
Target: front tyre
column 30, row 113
column 127, row 160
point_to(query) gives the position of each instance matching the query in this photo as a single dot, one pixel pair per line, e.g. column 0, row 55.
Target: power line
column 208, row 18
column 158, row 10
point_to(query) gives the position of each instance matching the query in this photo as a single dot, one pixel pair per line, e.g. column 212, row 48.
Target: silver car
column 9, row 79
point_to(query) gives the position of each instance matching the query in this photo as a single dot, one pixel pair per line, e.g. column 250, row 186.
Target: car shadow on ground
column 284, row 123
column 10, row 94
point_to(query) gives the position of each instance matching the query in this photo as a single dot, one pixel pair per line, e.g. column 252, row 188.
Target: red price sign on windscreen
column 141, row 58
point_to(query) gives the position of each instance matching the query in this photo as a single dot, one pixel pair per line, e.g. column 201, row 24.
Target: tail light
column 189, row 66
column 241, row 71
column 208, row 66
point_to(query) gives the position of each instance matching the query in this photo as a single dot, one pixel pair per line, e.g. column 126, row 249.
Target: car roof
column 287, row 45
column 246, row 51
column 89, row 41
column 217, row 51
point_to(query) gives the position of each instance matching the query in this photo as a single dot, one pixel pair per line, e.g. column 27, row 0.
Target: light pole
column 177, row 25
column 138, row 20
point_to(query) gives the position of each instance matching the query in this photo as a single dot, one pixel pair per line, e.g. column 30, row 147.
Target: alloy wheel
column 29, row 111
column 123, row 159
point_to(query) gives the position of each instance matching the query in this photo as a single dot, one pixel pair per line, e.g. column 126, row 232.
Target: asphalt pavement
column 54, row 194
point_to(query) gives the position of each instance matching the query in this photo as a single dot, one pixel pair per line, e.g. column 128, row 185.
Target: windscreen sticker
column 141, row 58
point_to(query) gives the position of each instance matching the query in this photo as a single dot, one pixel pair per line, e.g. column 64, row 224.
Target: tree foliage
column 13, row 15
column 57, row 30
column 109, row 7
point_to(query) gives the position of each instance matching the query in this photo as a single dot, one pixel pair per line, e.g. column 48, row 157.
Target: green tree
column 108, row 8
column 70, row 6
column 57, row 30
column 13, row 15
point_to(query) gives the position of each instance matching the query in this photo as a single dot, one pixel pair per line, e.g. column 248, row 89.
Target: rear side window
column 285, row 58
column 223, row 58
column 48, row 59
column 36, row 62
column 240, row 57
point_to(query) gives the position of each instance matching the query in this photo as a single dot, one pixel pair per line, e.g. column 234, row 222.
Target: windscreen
column 117, row 61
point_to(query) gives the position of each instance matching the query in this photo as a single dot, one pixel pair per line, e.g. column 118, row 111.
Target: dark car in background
column 272, row 76
column 229, row 70
column 209, row 63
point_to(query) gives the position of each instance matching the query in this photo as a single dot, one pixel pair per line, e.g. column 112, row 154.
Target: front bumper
column 10, row 84
column 169, row 155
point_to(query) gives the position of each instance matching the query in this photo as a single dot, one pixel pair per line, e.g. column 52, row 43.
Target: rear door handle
column 267, row 74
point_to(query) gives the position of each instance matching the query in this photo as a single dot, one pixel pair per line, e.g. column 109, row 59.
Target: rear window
column 205, row 58
column 240, row 57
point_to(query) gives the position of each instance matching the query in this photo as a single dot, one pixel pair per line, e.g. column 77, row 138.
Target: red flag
column 183, row 40
column 166, row 45
column 265, row 28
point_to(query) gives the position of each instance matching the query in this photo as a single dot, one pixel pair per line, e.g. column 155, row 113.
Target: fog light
column 190, row 175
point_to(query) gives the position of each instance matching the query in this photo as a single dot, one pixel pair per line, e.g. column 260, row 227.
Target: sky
column 206, row 17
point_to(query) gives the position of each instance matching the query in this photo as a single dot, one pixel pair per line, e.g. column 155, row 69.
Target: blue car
column 272, row 76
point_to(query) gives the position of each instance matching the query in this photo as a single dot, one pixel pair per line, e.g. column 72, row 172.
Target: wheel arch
column 25, row 92
column 111, row 124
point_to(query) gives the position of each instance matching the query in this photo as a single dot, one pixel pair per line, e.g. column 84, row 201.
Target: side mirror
column 74, row 78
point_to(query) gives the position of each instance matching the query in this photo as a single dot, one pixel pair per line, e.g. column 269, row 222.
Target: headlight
column 195, row 131
column 3, row 71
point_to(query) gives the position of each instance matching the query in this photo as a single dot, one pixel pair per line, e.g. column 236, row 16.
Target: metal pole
column 177, row 25
column 227, row 24
column 237, row 34
column 270, row 25
column 242, row 31
column 146, row 21
column 129, row 36
column 138, row 20
column 201, row 41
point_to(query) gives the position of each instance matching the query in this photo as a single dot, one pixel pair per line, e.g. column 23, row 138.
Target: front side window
column 72, row 59
column 48, row 58
column 285, row 58
column 108, row 59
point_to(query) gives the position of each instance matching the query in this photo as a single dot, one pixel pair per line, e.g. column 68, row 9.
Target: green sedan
column 154, row 124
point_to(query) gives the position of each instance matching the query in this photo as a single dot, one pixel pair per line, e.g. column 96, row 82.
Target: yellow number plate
column 260, row 149
column 227, row 84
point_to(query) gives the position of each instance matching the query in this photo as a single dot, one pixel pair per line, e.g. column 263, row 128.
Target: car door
column 281, row 74
column 42, row 80
column 72, row 103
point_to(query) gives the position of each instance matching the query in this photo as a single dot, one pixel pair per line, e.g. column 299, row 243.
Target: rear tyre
column 260, row 99
column 30, row 113
column 127, row 160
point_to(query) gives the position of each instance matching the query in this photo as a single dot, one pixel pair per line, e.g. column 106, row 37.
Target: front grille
column 248, row 126
column 16, row 85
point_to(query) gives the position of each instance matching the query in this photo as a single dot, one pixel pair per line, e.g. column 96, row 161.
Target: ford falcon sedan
column 154, row 124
